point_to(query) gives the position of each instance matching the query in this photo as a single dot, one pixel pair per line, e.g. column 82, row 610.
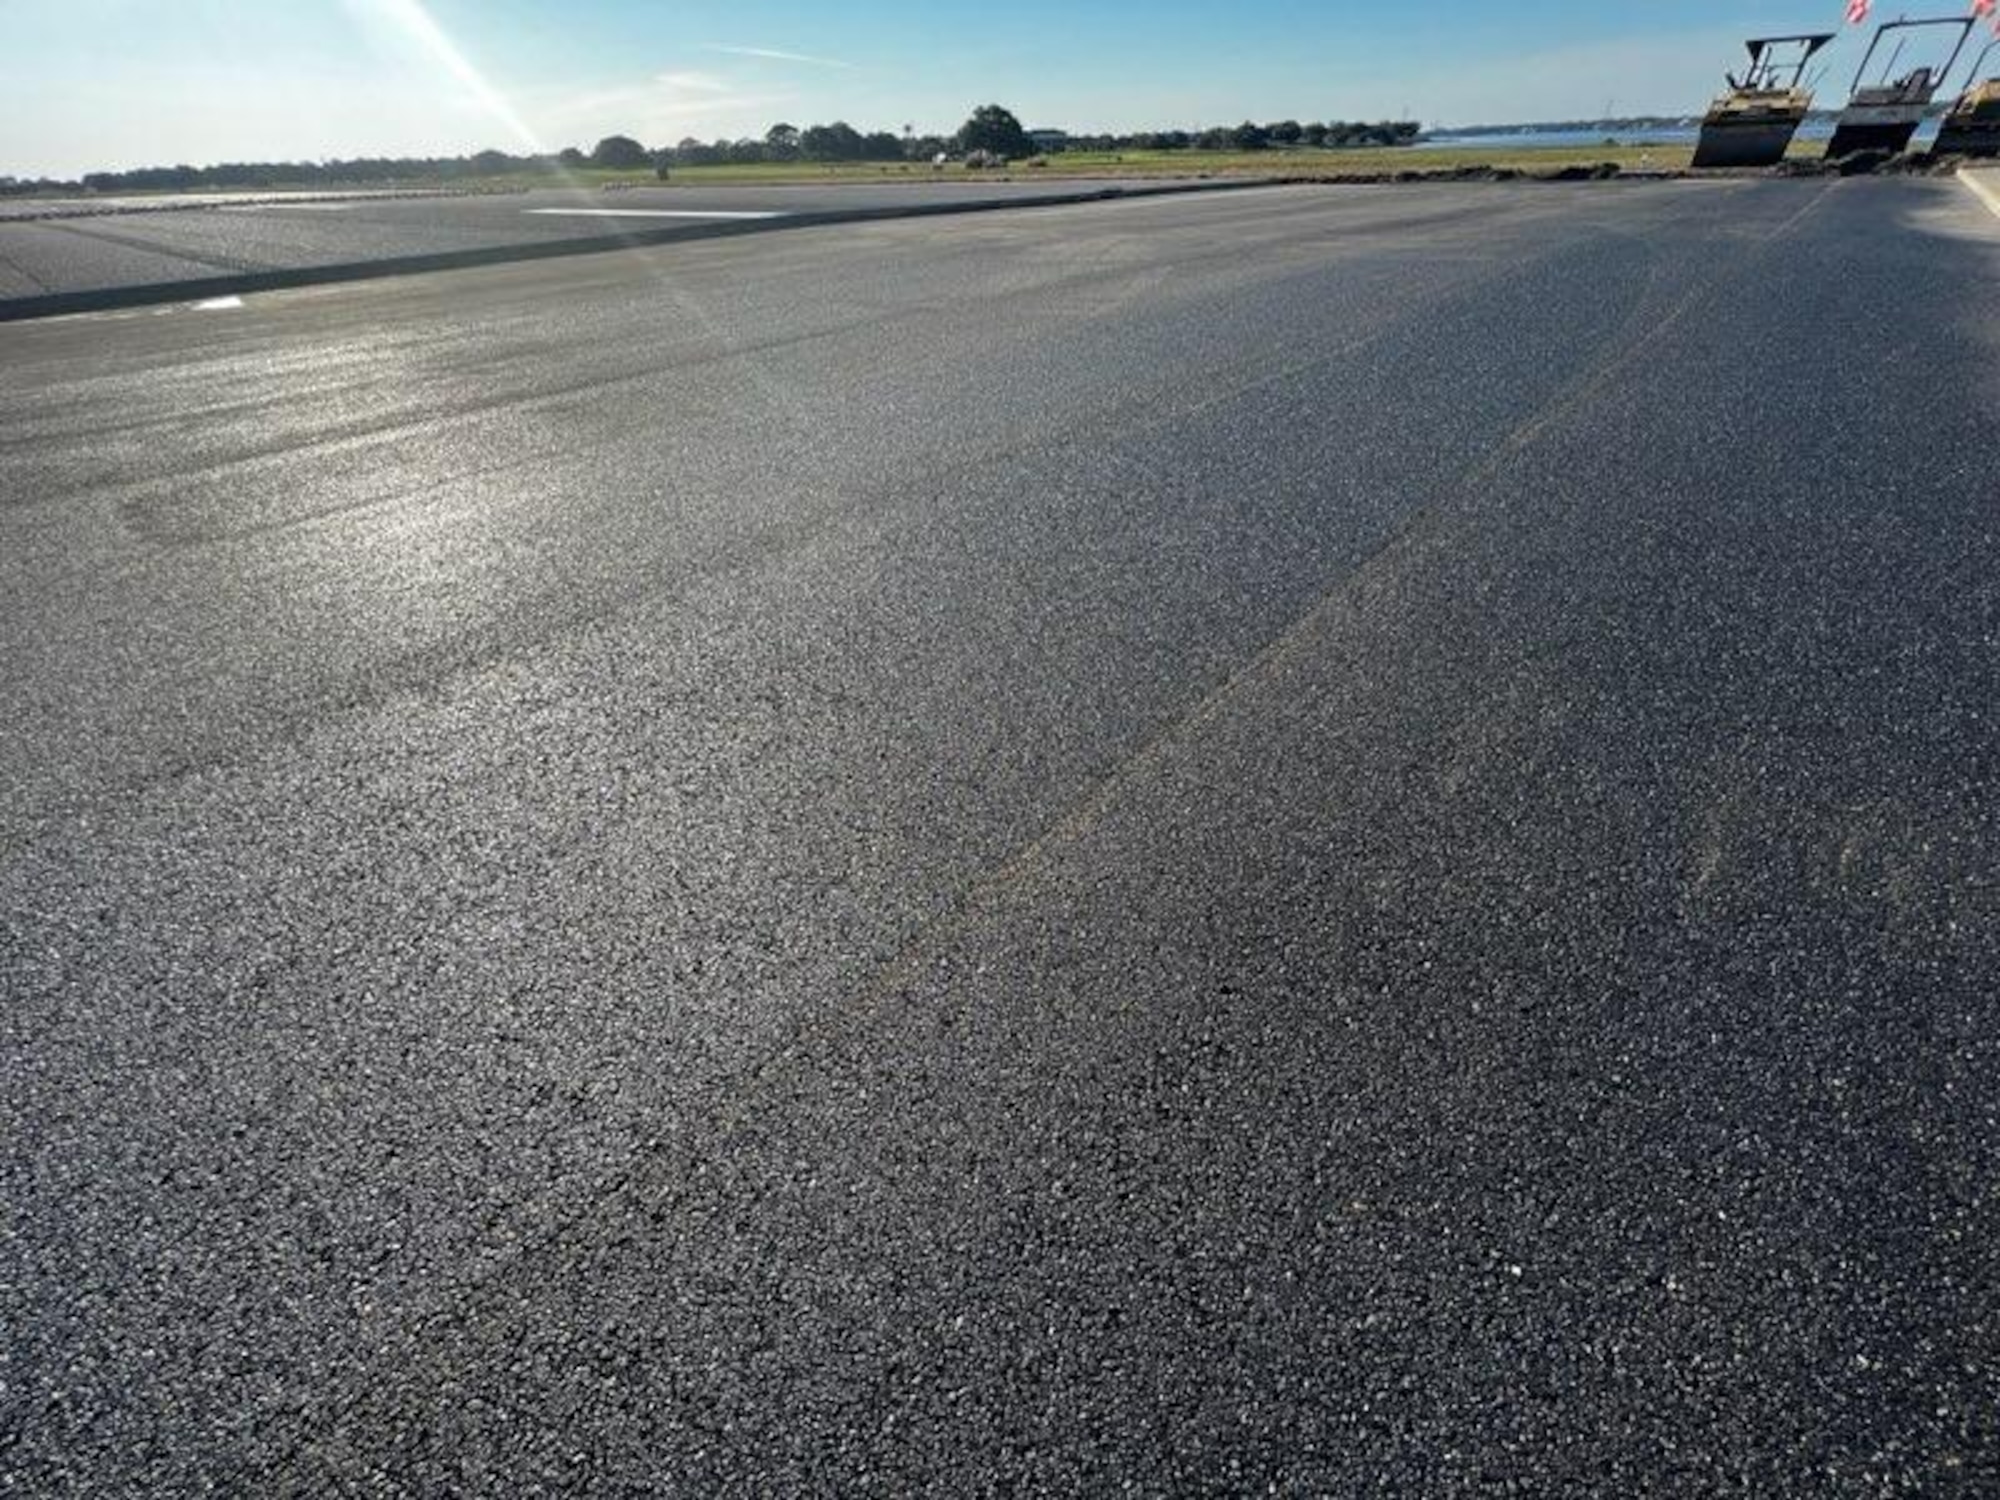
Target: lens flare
column 415, row 22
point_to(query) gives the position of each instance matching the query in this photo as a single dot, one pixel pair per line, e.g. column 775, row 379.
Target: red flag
column 1857, row 11
column 1989, row 10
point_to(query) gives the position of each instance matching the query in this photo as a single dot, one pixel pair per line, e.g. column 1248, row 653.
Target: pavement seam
column 247, row 282
column 555, row 394
column 223, row 265
column 484, row 659
column 1419, row 536
column 23, row 272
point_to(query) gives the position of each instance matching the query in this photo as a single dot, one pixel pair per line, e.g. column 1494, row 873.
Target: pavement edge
column 153, row 294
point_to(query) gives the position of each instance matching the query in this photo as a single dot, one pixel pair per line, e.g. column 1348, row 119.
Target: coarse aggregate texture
column 1286, row 842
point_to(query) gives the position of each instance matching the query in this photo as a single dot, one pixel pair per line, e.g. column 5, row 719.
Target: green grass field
column 1330, row 165
column 1363, row 162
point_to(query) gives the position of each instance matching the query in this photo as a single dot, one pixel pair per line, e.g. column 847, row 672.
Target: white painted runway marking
column 219, row 304
column 651, row 213
column 290, row 208
column 1990, row 196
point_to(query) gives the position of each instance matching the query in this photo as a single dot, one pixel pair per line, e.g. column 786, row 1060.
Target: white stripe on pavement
column 1990, row 196
column 651, row 213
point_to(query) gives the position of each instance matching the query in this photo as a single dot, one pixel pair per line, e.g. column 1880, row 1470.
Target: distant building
column 1050, row 140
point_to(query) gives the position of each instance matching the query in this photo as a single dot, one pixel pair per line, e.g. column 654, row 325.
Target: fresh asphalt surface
column 1305, row 840
column 94, row 245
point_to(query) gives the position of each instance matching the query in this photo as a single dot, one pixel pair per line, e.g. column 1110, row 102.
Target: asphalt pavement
column 1302, row 841
column 54, row 247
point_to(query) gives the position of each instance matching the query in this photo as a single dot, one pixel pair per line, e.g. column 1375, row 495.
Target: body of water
column 1663, row 135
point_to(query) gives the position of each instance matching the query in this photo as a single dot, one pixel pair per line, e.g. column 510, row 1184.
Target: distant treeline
column 842, row 142
column 991, row 130
column 270, row 174
column 1281, row 134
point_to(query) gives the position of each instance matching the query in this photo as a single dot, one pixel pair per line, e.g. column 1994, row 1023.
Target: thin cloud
column 663, row 108
column 696, row 83
column 772, row 54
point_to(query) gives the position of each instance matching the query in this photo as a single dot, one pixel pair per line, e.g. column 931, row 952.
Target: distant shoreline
column 1624, row 127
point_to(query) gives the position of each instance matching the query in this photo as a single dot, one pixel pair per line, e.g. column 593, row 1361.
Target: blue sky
column 119, row 83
